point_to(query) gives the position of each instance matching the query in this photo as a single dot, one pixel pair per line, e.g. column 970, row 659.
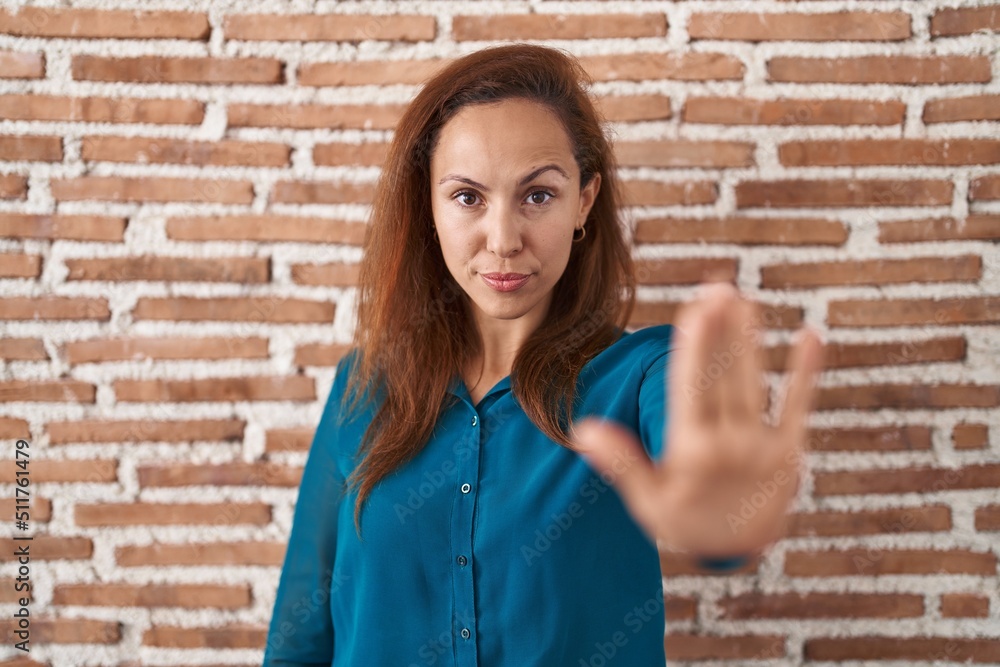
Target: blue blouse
column 493, row 546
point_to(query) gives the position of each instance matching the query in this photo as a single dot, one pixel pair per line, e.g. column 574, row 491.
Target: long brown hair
column 415, row 329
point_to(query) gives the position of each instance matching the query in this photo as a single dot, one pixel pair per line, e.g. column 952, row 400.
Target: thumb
column 619, row 458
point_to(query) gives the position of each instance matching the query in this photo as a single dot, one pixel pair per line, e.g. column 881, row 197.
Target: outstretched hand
column 727, row 478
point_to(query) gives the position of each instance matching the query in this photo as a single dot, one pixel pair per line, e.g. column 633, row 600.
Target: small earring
column 580, row 237
column 436, row 239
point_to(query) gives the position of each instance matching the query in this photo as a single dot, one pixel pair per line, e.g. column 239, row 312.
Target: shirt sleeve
column 653, row 421
column 300, row 633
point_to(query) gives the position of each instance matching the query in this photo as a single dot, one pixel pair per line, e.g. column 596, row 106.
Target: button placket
column 465, row 503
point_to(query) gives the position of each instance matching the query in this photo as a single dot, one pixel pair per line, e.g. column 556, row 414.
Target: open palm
column 727, row 477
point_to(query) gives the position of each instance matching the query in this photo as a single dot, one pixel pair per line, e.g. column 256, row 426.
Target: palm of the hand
column 727, row 478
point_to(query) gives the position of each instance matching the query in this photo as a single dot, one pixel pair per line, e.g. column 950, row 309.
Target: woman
column 494, row 291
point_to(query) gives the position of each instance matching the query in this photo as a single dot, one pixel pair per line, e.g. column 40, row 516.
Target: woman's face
column 506, row 198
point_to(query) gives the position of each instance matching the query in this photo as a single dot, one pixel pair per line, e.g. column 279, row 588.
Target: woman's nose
column 503, row 234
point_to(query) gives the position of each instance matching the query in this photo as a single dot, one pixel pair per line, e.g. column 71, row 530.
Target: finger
column 690, row 381
column 729, row 357
column 800, row 386
column 619, row 458
column 748, row 364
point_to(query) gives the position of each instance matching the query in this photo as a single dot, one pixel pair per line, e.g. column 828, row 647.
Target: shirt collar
column 458, row 388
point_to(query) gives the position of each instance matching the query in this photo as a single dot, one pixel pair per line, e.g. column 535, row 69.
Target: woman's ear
column 588, row 195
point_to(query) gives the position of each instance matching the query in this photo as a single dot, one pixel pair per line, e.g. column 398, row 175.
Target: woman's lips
column 505, row 282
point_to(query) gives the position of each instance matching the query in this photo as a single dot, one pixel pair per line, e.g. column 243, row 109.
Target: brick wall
column 182, row 201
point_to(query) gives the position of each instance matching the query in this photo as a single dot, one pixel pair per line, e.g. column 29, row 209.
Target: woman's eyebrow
column 526, row 179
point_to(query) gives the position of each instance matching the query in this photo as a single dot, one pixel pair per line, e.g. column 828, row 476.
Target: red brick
column 260, row 388
column 171, row 514
column 853, row 355
column 827, row 26
column 985, row 187
column 679, row 271
column 680, row 608
column 904, row 70
column 137, row 349
column 50, row 547
column 316, row 116
column 822, row 605
column 806, row 275
column 642, row 192
column 906, row 649
column 893, row 520
column 201, row 554
column 47, row 470
column 988, row 518
column 950, row 21
column 910, row 152
column 102, row 109
column 973, row 227
column 296, row 439
column 12, row 428
column 918, row 479
column 161, row 69
column 631, row 108
column 330, row 27
column 645, row 66
column 48, row 391
column 31, row 149
column 747, row 111
column 170, row 269
column 41, row 509
column 875, row 561
column 843, row 192
column 648, row 313
column 267, row 228
column 376, row 72
column 49, row 307
column 741, row 230
column 57, row 226
column 95, row 23
column 544, row 25
column 224, row 474
column 232, row 636
column 322, row 192
column 152, row 189
column 23, row 349
column 320, row 354
column 954, row 109
column 337, row 275
column 20, row 265
column 683, row 646
column 171, row 151
column 908, row 396
column 870, row 438
column 150, row 430
column 370, row 153
column 191, row 596
column 970, row 436
column 13, row 186
column 21, row 64
column 65, row 631
column 682, row 153
column 902, row 312
column 964, row 605
column 237, row 308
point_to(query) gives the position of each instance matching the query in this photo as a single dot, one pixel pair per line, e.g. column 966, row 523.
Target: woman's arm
column 301, row 628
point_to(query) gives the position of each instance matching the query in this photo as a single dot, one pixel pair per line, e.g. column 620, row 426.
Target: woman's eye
column 468, row 199
column 540, row 192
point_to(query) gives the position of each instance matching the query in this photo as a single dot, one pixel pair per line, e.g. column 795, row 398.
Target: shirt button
column 475, row 419
column 462, row 560
column 465, row 633
column 466, row 488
